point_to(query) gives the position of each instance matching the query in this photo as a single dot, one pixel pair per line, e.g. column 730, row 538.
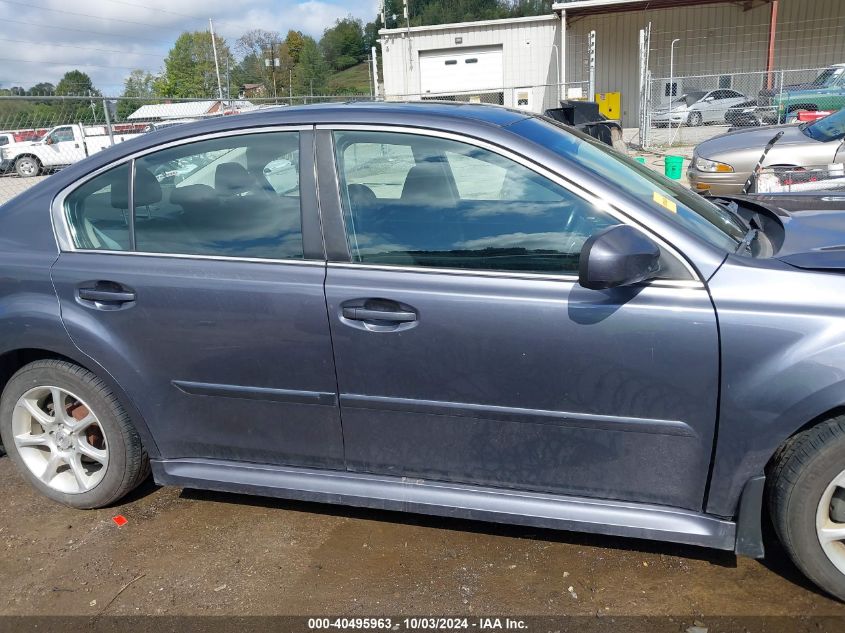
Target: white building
column 520, row 62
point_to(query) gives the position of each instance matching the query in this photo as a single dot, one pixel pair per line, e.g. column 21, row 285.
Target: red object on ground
column 120, row 520
column 813, row 115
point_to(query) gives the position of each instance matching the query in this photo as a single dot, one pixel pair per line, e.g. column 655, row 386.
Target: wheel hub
column 63, row 440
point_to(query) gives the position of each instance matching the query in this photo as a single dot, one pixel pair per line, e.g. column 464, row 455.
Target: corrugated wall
column 528, row 53
column 714, row 39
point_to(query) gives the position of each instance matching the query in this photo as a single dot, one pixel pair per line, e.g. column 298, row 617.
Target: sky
column 40, row 40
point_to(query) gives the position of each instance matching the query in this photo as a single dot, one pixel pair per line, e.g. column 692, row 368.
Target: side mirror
column 618, row 256
column 48, row 141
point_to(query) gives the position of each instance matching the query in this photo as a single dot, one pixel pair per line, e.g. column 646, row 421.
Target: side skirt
column 615, row 518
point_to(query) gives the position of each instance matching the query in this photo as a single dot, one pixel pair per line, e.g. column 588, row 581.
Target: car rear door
column 208, row 308
column 465, row 349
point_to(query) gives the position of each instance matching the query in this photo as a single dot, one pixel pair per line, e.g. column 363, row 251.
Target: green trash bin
column 673, row 166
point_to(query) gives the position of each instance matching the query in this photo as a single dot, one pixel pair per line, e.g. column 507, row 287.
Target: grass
column 355, row 79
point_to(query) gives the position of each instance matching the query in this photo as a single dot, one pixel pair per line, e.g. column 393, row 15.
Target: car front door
column 208, row 308
column 467, row 352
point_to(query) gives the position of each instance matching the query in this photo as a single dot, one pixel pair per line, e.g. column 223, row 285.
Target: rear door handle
column 364, row 314
column 106, row 296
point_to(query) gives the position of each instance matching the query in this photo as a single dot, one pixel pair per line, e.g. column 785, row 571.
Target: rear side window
column 235, row 196
column 98, row 212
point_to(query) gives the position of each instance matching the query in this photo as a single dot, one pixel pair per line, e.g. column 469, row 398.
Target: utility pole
column 375, row 73
column 216, row 64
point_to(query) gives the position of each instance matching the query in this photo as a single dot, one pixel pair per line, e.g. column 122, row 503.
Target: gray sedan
column 724, row 163
column 461, row 310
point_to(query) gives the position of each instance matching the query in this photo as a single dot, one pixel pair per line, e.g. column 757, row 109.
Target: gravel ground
column 11, row 185
column 191, row 552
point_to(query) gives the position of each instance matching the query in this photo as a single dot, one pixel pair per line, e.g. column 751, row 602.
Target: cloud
column 107, row 38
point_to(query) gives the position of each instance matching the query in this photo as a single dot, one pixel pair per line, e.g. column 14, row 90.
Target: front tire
column 69, row 436
column 807, row 500
column 694, row 119
column 27, row 167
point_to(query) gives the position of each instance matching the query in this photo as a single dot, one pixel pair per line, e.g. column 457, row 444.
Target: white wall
column 528, row 57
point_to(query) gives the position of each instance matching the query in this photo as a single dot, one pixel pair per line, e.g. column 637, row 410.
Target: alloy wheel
column 60, row 439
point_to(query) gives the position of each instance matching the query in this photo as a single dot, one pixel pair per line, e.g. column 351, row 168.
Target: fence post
column 592, row 58
column 780, row 96
column 108, row 121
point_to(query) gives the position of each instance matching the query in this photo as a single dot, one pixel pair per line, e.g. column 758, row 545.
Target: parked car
column 463, row 310
column 745, row 114
column 723, row 164
column 6, row 138
column 59, row 147
column 825, row 92
column 699, row 107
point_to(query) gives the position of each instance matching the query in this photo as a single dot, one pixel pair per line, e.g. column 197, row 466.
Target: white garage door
column 445, row 72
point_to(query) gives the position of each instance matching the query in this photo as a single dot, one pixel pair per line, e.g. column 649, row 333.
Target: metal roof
column 581, row 7
column 181, row 109
column 467, row 25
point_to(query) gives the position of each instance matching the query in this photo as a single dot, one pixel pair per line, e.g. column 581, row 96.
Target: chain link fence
column 683, row 111
column 41, row 135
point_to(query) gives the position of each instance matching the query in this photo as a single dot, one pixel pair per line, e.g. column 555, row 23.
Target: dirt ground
column 189, row 552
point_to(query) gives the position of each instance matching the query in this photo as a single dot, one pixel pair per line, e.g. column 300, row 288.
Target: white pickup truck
column 59, row 147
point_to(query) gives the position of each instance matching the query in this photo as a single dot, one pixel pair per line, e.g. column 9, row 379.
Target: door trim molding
column 521, row 415
column 292, row 396
column 598, row 516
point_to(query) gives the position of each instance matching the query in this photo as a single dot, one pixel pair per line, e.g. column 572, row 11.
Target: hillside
column 354, row 80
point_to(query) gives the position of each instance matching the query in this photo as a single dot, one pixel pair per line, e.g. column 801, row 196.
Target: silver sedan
column 723, row 164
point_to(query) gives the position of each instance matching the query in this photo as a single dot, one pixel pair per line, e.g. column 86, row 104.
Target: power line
column 65, row 63
column 86, row 48
column 67, row 28
column 84, row 15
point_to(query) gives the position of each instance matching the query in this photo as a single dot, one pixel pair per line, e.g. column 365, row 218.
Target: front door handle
column 365, row 314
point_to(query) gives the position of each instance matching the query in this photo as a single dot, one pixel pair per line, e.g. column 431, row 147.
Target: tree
column 189, row 66
column 137, row 90
column 343, row 44
column 76, row 83
column 294, row 42
column 42, row 89
column 312, row 71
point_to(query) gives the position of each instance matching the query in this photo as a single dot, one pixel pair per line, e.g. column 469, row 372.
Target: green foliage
column 138, row 87
column 76, row 83
column 312, row 72
column 189, row 66
column 423, row 12
column 343, row 44
column 295, row 41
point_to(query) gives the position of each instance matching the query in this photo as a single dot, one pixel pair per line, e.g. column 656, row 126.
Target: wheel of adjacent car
column 69, row 436
column 27, row 166
column 807, row 501
column 694, row 119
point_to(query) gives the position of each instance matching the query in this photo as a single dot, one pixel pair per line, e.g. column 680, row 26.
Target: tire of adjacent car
column 27, row 166
column 128, row 463
column 799, row 476
column 694, row 119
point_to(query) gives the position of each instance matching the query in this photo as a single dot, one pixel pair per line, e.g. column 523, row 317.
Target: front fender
column 783, row 365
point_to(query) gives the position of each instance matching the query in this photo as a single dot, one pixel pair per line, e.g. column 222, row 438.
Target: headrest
column 194, row 196
column 232, row 178
column 361, row 195
column 147, row 189
column 428, row 184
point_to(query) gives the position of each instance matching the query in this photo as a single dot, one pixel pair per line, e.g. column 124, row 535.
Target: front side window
column 235, row 196
column 61, row 135
column 413, row 200
column 98, row 212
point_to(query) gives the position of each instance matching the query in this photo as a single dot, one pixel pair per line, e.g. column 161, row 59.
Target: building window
column 725, row 81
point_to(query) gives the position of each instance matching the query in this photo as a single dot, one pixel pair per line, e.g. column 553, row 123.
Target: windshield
column 690, row 98
column 707, row 220
column 825, row 76
column 830, row 128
